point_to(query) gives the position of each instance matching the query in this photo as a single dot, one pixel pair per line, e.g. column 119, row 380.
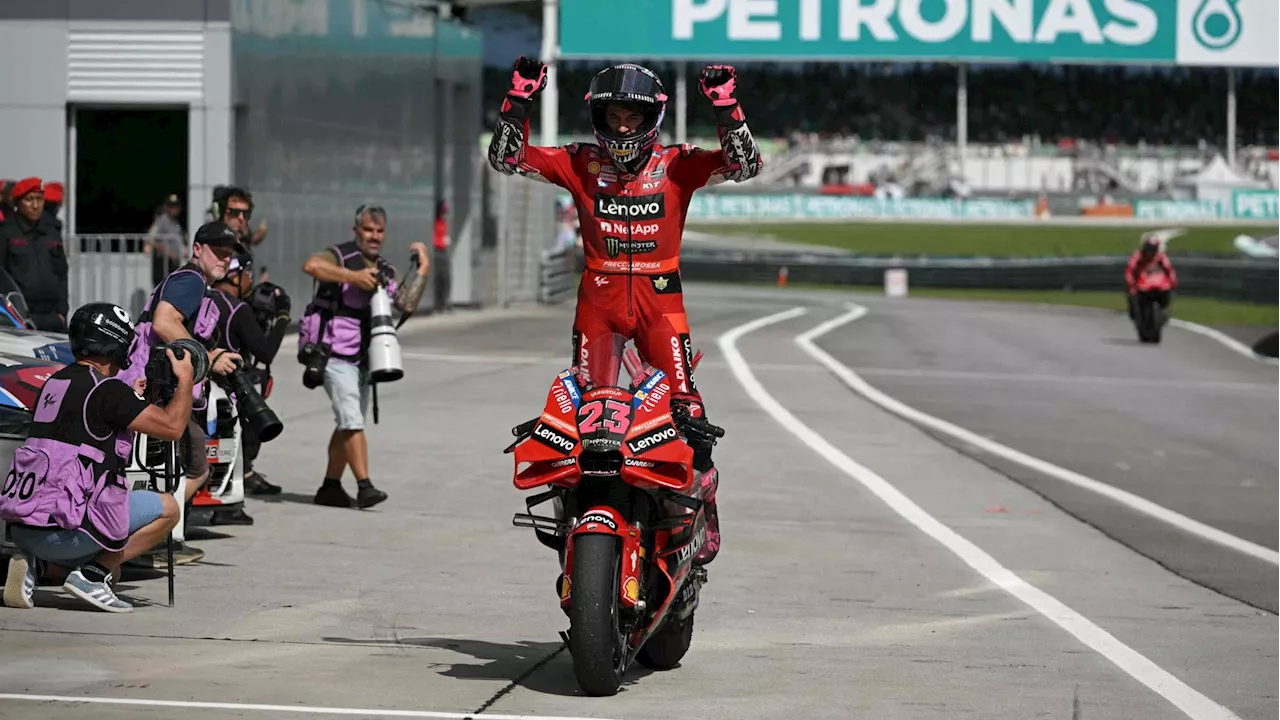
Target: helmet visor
column 626, row 83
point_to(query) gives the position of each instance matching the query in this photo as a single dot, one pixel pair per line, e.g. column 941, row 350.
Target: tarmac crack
column 519, row 679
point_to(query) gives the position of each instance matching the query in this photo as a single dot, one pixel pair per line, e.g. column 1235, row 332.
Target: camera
column 267, row 301
column 384, row 346
column 314, row 357
column 250, row 406
column 161, row 382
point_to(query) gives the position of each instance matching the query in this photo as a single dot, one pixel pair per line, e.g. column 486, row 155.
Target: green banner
column 1183, row 32
column 1256, row 204
column 733, row 206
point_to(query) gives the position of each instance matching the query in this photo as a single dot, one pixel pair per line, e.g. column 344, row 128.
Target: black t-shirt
column 113, row 407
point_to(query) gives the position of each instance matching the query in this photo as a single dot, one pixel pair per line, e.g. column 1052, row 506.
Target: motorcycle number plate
column 220, row 452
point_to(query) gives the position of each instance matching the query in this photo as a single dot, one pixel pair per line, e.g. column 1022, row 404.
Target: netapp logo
column 551, row 438
column 636, row 207
column 652, row 440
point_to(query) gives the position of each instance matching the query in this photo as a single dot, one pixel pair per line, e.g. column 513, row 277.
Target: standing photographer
column 72, row 514
column 254, row 323
column 179, row 308
column 333, row 343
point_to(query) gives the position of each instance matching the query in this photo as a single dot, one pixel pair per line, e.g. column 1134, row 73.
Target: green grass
column 993, row 240
column 1206, row 311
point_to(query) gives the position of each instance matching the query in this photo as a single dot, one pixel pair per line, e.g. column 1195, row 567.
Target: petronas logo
column 1216, row 24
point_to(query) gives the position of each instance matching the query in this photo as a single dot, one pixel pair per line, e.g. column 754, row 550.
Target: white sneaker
column 97, row 594
column 20, row 586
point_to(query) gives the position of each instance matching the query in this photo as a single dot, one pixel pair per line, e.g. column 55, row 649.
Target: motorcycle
column 1150, row 316
column 629, row 517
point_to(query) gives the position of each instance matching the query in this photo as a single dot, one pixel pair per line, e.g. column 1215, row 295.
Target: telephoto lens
column 251, row 407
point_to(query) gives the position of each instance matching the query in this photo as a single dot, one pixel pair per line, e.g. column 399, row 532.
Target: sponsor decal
column 653, row 396
column 561, row 423
column 553, row 439
column 677, row 359
column 561, row 397
column 598, row 517
column 645, row 229
column 652, row 423
column 572, row 388
column 632, row 265
column 653, row 439
column 564, row 463
column 635, row 207
column 693, row 547
column 632, row 462
column 667, row 284
column 593, row 167
column 615, row 246
column 653, row 380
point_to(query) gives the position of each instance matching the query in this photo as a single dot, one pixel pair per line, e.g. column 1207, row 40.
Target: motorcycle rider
column 631, row 195
column 1149, row 257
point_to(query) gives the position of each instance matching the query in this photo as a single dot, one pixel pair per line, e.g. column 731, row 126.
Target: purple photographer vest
column 342, row 308
column 203, row 327
column 64, row 476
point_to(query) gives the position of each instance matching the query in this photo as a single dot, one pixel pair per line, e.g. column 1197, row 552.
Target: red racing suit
column 1138, row 266
column 631, row 227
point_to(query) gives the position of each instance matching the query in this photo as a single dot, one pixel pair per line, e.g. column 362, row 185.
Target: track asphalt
column 824, row 602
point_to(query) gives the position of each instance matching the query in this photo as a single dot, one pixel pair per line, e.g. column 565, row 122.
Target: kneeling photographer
column 334, row 341
column 73, row 516
column 180, row 309
column 256, row 318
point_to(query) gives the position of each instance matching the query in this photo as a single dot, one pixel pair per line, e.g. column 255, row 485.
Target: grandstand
column 1123, row 131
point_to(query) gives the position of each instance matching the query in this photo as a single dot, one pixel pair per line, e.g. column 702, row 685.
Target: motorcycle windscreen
column 601, row 361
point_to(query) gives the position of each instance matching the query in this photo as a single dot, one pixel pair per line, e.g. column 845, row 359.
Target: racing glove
column 528, row 78
column 718, row 83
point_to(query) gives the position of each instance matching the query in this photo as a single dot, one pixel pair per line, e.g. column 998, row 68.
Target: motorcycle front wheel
column 596, row 641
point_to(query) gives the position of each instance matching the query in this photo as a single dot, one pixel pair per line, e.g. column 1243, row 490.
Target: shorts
column 347, row 385
column 193, row 450
column 73, row 548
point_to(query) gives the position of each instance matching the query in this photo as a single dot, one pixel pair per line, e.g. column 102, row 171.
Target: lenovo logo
column 637, row 207
column 652, row 440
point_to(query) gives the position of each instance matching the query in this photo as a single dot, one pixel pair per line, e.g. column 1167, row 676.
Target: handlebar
column 704, row 427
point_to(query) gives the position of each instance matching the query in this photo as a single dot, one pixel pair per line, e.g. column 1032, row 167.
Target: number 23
column 591, row 412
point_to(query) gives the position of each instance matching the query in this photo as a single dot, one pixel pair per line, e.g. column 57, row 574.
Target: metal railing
column 558, row 276
column 108, row 268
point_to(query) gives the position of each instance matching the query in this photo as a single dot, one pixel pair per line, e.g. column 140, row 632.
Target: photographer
column 79, row 445
column 180, row 308
column 333, row 343
column 255, row 322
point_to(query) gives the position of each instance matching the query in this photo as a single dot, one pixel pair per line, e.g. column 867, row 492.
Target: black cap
column 217, row 234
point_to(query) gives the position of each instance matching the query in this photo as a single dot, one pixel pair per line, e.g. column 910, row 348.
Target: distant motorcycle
column 1154, row 286
column 629, row 518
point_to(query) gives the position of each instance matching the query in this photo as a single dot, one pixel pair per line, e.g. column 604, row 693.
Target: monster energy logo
column 615, row 246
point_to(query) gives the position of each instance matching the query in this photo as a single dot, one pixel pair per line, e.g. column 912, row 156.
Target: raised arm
column 509, row 150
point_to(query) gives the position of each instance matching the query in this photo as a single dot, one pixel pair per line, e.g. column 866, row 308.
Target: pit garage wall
column 61, row 53
column 344, row 102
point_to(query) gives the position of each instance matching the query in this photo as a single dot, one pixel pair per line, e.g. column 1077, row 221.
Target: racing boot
column 684, row 406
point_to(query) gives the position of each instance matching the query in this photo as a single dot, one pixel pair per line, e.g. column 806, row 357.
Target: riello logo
column 1120, row 22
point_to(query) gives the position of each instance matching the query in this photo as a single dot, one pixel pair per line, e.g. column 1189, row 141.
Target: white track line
column 1185, row 698
column 1128, row 499
column 1225, row 339
column 304, row 709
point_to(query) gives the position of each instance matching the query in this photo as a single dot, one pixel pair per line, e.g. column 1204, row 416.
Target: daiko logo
column 1120, row 22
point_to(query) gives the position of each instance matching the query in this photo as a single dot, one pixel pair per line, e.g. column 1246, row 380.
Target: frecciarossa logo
column 631, row 207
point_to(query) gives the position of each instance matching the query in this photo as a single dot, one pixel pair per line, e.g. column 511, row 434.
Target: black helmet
column 637, row 87
column 102, row 329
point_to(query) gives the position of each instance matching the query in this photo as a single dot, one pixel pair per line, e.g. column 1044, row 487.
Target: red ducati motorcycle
column 628, row 515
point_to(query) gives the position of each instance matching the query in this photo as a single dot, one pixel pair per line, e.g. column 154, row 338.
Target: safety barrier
column 1245, row 280
column 558, row 274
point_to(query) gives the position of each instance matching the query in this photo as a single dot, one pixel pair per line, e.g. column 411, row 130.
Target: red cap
column 24, row 186
column 53, row 192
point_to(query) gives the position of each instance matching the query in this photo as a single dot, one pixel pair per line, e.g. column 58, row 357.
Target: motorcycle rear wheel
column 666, row 647
column 596, row 642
